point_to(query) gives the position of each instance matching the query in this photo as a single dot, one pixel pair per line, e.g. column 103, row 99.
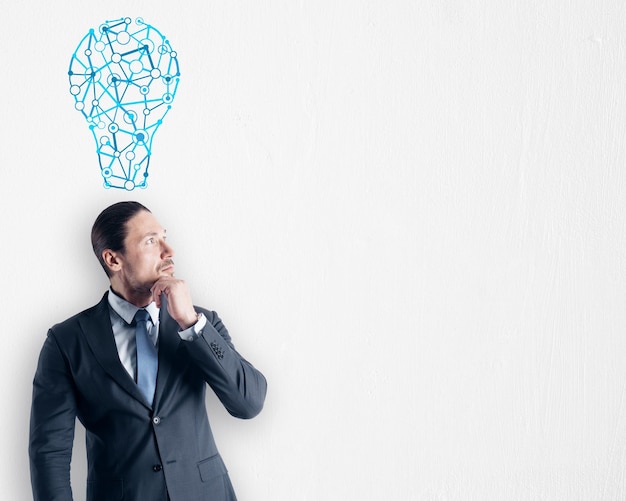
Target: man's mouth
column 167, row 265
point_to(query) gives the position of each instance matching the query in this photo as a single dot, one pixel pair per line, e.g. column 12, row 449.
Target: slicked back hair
column 109, row 230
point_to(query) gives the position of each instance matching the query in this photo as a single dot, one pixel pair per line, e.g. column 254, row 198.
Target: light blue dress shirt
column 122, row 313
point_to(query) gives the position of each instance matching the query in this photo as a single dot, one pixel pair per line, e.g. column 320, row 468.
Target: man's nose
column 168, row 250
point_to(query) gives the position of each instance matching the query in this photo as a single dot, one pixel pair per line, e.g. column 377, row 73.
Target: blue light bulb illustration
column 124, row 78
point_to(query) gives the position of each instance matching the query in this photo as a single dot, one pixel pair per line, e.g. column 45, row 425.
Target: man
column 134, row 369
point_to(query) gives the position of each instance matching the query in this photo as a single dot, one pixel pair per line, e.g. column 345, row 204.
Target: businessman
column 134, row 370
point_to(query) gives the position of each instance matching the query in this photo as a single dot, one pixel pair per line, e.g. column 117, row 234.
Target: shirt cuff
column 194, row 332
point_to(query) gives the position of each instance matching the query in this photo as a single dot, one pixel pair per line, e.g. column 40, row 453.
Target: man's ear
column 112, row 260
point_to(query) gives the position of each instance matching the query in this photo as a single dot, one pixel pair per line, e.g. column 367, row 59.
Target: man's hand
column 179, row 304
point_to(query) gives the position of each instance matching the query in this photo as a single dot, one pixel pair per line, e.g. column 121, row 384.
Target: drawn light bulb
column 124, row 78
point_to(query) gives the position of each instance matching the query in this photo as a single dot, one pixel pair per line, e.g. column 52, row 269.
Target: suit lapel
column 96, row 327
column 169, row 341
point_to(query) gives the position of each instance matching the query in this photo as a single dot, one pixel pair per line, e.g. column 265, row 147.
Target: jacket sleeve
column 237, row 383
column 52, row 422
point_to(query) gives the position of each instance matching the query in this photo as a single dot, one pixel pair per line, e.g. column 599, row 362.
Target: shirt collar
column 127, row 310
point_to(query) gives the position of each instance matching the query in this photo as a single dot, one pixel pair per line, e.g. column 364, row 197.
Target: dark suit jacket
column 136, row 452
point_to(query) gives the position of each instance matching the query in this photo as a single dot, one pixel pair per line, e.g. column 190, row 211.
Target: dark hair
column 109, row 230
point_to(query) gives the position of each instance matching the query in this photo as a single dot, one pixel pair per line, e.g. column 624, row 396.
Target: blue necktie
column 147, row 360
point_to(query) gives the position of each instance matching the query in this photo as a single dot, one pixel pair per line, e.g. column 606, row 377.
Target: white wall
column 410, row 215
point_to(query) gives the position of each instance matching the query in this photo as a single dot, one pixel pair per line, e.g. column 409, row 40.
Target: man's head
column 131, row 246
column 109, row 230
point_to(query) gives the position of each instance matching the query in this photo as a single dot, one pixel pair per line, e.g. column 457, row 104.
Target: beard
column 144, row 286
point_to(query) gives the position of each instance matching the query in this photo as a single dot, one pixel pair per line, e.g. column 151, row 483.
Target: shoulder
column 69, row 327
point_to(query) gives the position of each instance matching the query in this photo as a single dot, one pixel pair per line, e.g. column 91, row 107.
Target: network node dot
column 123, row 38
column 136, row 66
column 147, row 45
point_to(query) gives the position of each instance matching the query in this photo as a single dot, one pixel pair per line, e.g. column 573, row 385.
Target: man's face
column 146, row 256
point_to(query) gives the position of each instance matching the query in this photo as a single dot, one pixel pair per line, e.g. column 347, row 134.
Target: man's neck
column 136, row 298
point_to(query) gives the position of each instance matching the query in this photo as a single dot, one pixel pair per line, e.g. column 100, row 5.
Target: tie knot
column 141, row 316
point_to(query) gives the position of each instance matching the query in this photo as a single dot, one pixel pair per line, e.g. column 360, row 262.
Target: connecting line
column 141, row 49
column 151, row 61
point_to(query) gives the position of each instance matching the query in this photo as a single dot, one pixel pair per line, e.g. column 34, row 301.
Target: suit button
column 157, row 467
column 156, row 419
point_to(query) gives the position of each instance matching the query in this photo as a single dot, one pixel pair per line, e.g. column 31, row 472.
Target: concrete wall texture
column 410, row 215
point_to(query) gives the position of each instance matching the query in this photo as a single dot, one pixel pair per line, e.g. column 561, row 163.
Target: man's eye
column 150, row 240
